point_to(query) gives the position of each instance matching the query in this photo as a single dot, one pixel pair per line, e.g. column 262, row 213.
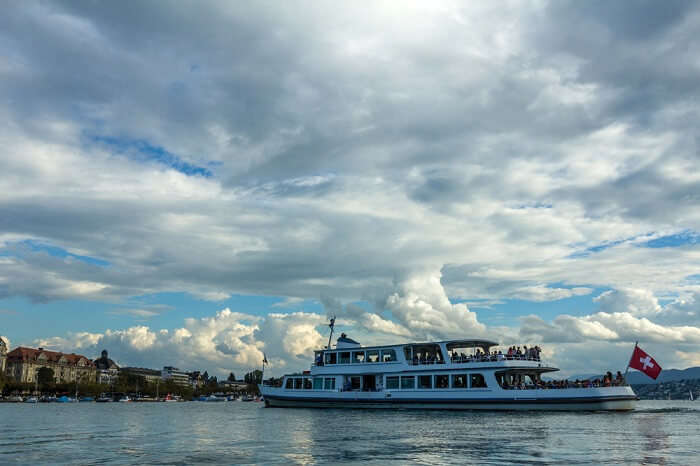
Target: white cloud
column 634, row 301
column 421, row 305
column 540, row 293
column 226, row 341
column 617, row 326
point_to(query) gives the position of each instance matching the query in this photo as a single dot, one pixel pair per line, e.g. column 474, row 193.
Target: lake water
column 658, row 432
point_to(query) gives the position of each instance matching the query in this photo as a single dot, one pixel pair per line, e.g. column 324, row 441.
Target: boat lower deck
column 493, row 405
column 608, row 399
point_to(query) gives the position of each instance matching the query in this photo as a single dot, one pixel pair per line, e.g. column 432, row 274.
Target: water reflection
column 656, row 441
column 243, row 433
column 425, row 436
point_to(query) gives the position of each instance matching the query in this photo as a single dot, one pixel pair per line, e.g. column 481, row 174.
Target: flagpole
column 262, row 375
column 630, row 361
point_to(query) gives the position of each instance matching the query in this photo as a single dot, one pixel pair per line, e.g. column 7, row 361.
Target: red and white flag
column 644, row 363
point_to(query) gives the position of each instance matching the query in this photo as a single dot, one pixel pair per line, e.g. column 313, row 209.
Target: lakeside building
column 151, row 375
column 176, row 375
column 107, row 371
column 196, row 379
column 3, row 355
column 22, row 364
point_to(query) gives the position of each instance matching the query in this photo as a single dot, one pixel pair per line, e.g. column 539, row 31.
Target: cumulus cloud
column 618, row 326
column 227, row 341
column 539, row 293
column 421, row 305
column 633, row 301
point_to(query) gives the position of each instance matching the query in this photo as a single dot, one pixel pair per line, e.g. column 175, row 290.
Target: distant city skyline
column 198, row 183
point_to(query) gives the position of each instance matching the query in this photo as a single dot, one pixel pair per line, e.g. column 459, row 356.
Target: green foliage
column 231, row 377
column 254, row 377
column 45, row 377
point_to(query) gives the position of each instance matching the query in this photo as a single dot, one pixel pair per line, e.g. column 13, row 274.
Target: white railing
column 559, row 386
column 480, row 358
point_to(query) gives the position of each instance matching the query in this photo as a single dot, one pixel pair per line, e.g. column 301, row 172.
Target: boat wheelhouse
column 453, row 374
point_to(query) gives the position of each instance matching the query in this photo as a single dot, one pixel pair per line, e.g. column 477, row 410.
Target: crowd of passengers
column 531, row 354
column 608, row 380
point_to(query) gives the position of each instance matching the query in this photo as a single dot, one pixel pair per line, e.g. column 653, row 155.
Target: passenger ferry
column 453, row 374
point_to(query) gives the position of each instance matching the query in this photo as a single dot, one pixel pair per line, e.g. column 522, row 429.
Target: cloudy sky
column 196, row 183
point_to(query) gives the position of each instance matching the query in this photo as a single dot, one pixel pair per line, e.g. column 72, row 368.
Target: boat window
column 477, row 381
column 329, row 383
column 426, row 353
column 425, row 381
column 297, row 384
column 358, row 356
column 407, row 352
column 459, row 381
column 307, row 384
column 330, row 358
column 289, row 384
column 318, row 383
column 373, row 356
column 388, row 355
column 392, row 382
column 355, row 383
column 344, row 358
column 517, row 379
column 442, row 381
column 408, row 382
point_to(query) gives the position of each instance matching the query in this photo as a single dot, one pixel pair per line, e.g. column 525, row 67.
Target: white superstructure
column 454, row 374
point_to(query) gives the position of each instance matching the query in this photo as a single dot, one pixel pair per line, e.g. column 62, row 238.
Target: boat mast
column 331, row 325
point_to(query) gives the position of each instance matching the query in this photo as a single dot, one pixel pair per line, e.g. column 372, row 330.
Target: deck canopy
column 462, row 344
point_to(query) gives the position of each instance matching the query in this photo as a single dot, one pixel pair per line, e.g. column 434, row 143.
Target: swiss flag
column 645, row 363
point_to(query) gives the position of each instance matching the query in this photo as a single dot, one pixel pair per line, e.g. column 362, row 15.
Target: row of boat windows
column 394, row 382
column 408, row 382
column 358, row 357
column 319, row 383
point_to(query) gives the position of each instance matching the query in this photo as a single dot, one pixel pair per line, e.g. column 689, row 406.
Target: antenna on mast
column 331, row 325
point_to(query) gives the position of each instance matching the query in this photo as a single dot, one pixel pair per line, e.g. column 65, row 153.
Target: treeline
column 125, row 383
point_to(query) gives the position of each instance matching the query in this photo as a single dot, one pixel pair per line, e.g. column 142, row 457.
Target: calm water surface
column 659, row 432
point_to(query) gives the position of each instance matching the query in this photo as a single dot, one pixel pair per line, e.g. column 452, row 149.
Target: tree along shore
column 126, row 383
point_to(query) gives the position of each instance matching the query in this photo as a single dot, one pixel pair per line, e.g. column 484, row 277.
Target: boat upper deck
column 349, row 356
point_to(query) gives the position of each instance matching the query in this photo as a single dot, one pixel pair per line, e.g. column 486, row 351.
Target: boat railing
column 481, row 358
column 561, row 386
column 422, row 362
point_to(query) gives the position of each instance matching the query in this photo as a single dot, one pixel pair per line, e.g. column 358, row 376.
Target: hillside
column 673, row 390
column 671, row 375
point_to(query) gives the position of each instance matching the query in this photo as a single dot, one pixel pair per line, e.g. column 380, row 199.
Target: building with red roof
column 22, row 364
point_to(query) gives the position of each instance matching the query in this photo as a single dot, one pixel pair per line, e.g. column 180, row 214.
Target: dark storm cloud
column 640, row 51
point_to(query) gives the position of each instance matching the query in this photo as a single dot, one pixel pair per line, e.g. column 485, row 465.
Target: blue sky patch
column 143, row 151
column 673, row 241
column 55, row 251
column 508, row 311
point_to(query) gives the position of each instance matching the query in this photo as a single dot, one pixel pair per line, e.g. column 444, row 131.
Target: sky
column 198, row 183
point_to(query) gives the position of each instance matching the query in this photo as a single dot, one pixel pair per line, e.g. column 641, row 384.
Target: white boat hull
column 603, row 399
column 617, row 405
